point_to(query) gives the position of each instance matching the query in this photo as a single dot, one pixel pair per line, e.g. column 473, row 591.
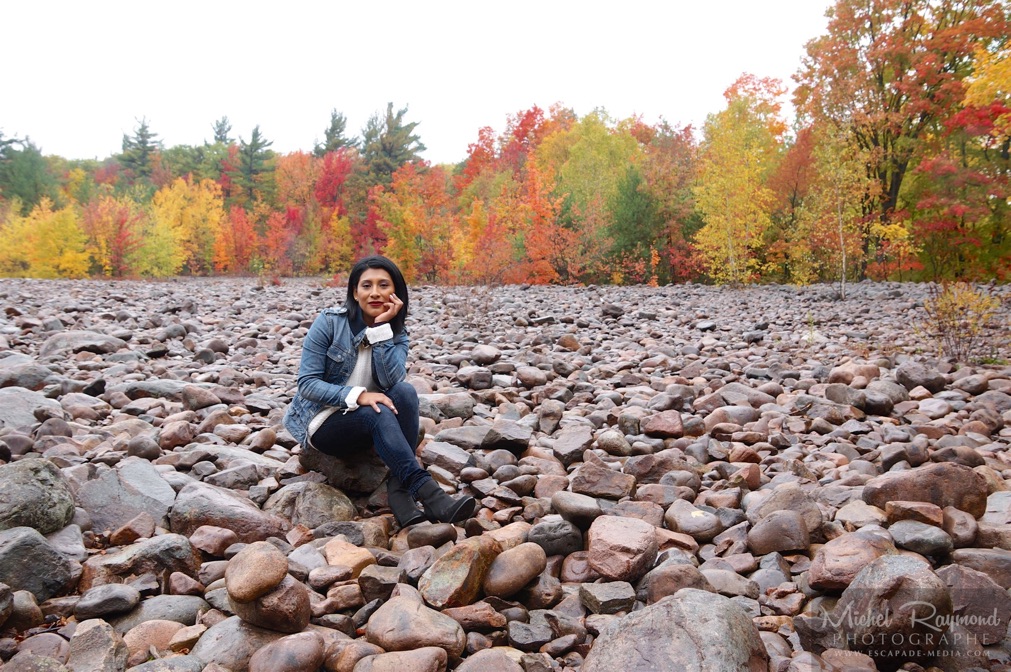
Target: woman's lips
column 376, row 304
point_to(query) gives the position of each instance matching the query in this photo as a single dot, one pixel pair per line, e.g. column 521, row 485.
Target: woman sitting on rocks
column 351, row 390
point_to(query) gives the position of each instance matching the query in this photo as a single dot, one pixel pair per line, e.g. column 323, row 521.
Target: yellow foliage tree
column 191, row 215
column 46, row 243
column 735, row 203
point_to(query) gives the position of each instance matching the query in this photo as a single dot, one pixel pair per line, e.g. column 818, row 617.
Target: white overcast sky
column 78, row 75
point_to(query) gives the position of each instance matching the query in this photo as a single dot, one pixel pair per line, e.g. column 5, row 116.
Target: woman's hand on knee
column 375, row 400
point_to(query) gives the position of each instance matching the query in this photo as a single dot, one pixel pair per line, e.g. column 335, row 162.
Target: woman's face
column 375, row 286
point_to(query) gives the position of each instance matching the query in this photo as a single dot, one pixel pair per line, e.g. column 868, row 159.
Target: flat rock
column 357, row 470
column 96, row 646
column 106, row 600
column 18, row 407
column 116, row 496
column 310, row 504
column 182, row 609
column 80, row 341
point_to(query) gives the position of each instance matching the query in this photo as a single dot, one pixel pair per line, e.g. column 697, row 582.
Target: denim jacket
column 329, row 353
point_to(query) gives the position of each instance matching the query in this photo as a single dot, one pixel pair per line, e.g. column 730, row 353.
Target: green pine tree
column 388, row 143
column 334, row 138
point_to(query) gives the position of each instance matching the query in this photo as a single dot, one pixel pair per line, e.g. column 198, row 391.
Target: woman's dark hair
column 399, row 288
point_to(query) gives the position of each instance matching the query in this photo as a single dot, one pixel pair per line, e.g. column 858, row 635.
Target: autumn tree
column 334, row 138
column 889, row 71
column 190, row 214
column 236, row 243
column 634, row 230
column 334, row 170
column 582, row 164
column 833, row 214
column 669, row 170
column 960, row 198
column 740, row 151
column 295, row 178
column 114, row 227
column 45, row 243
column 418, row 217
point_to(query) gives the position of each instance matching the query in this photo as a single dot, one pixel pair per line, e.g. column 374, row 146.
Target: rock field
column 676, row 478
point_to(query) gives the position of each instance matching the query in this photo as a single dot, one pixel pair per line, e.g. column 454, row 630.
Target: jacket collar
column 357, row 327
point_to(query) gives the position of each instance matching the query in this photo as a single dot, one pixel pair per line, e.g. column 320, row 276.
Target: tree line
column 896, row 165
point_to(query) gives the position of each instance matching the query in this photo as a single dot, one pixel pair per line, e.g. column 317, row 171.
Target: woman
column 351, row 390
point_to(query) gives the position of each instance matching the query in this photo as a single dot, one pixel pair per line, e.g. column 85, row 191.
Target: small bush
column 962, row 320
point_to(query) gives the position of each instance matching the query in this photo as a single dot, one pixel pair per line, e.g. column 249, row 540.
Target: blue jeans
column 393, row 435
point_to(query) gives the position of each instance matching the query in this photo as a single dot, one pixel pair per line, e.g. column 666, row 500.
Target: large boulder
column 34, row 493
column 202, row 504
column 693, row 631
column 896, row 609
column 310, row 504
column 837, row 563
column 232, row 642
column 357, row 470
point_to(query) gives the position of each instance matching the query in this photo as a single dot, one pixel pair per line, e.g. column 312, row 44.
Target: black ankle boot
column 440, row 505
column 402, row 504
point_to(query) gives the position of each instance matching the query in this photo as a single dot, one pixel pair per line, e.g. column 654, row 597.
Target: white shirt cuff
column 383, row 332
column 351, row 401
